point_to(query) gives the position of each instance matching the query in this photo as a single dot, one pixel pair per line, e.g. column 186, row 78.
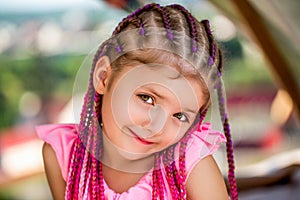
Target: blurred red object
column 117, row 3
column 273, row 137
column 17, row 135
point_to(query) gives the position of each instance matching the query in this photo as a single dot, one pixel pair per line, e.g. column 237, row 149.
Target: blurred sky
column 45, row 5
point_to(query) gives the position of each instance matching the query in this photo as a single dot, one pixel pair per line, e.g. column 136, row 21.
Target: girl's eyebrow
column 190, row 110
column 151, row 90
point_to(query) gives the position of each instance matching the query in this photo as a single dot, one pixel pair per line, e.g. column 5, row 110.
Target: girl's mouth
column 139, row 139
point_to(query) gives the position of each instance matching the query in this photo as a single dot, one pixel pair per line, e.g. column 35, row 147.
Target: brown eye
column 182, row 117
column 146, row 98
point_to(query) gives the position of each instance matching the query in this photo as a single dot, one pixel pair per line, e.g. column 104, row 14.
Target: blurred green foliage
column 53, row 76
column 45, row 76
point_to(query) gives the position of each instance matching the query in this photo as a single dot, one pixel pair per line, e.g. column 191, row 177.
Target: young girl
column 141, row 134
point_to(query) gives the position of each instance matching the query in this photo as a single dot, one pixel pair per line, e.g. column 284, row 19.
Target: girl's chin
column 134, row 155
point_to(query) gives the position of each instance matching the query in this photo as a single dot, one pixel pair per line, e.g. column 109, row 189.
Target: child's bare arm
column 53, row 173
column 206, row 182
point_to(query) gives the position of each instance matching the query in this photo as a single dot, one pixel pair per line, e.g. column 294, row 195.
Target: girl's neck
column 120, row 181
column 115, row 159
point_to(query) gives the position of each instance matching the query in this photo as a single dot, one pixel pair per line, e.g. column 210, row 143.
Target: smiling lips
column 139, row 139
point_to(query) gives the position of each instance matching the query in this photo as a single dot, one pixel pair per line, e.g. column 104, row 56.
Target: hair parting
column 192, row 26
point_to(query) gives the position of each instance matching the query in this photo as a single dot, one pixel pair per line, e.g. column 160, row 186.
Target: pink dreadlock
column 85, row 173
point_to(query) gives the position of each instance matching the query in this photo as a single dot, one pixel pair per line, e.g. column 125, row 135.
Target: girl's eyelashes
column 182, row 117
column 146, row 98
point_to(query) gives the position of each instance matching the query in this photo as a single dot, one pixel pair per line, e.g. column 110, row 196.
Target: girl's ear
column 101, row 74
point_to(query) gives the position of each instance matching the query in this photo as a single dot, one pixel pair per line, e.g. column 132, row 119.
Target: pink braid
column 74, row 173
column 169, row 163
column 161, row 185
column 229, row 145
column 84, row 174
column 182, row 168
column 154, row 185
column 223, row 113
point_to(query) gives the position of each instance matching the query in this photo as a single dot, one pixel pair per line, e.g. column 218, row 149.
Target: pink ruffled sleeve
column 204, row 142
column 61, row 137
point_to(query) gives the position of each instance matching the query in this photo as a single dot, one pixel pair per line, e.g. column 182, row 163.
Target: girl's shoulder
column 61, row 137
column 57, row 131
column 203, row 142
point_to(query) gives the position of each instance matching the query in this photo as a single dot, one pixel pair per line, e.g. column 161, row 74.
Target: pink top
column 62, row 136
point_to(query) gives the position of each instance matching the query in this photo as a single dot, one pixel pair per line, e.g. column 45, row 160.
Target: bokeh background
column 43, row 44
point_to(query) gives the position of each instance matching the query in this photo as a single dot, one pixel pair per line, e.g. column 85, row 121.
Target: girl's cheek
column 179, row 131
column 137, row 112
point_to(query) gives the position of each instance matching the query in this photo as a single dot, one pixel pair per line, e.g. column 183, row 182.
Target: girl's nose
column 157, row 118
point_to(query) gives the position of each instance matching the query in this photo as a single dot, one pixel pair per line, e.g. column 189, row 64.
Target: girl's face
column 148, row 108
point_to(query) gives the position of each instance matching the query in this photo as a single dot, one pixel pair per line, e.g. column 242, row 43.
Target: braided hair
column 157, row 31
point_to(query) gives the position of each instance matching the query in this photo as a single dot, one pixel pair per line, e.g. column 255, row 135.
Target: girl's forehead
column 156, row 74
column 162, row 75
column 158, row 78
